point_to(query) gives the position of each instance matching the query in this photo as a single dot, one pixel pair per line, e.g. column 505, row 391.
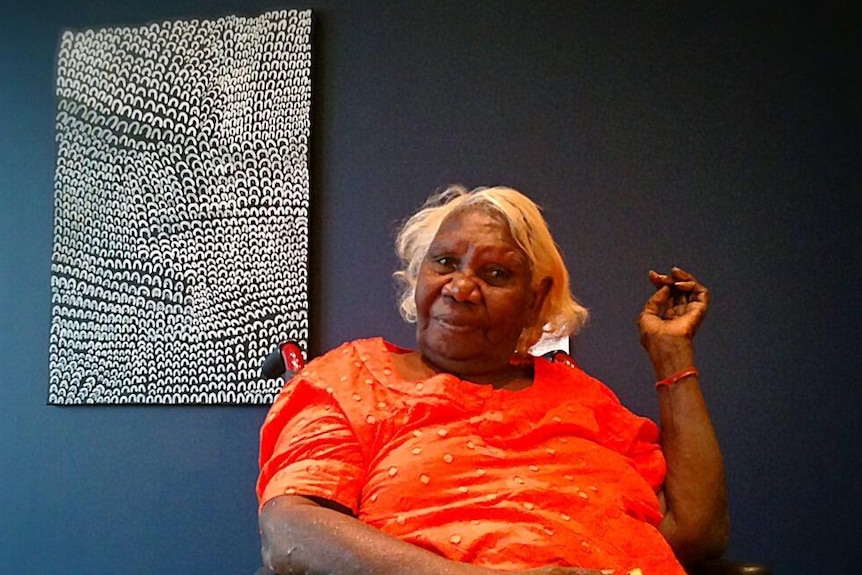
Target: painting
column 181, row 209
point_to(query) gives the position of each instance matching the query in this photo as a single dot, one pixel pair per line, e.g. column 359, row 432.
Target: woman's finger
column 686, row 285
column 658, row 301
column 680, row 274
column 658, row 280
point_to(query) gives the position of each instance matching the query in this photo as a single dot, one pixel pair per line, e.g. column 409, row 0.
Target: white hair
column 561, row 315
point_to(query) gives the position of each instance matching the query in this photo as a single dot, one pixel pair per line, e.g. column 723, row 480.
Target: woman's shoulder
column 562, row 373
column 344, row 365
column 583, row 393
column 361, row 349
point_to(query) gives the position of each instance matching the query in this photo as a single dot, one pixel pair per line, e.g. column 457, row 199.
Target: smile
column 455, row 326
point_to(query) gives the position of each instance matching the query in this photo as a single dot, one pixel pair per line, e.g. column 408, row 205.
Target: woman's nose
column 462, row 288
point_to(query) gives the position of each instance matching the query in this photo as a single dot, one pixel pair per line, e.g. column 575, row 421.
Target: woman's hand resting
column 568, row 571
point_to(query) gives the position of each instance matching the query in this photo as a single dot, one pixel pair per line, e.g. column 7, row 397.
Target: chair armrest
column 728, row 567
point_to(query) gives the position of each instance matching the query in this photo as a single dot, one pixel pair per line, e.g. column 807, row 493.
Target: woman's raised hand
column 671, row 317
column 677, row 307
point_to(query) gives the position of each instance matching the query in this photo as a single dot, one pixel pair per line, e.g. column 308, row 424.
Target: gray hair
column 561, row 315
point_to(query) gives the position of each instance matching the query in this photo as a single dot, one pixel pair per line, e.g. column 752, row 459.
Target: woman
column 467, row 456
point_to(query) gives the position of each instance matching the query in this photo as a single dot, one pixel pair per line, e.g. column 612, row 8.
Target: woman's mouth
column 455, row 325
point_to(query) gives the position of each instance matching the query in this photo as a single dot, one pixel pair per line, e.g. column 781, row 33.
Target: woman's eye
column 499, row 274
column 444, row 261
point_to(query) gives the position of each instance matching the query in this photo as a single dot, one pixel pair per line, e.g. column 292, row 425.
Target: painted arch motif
column 181, row 180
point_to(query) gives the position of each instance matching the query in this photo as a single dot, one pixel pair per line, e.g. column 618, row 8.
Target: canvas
column 180, row 255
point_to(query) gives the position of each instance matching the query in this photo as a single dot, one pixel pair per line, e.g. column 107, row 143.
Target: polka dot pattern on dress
column 445, row 482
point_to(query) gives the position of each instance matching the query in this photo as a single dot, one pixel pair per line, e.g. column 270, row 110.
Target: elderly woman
column 468, row 456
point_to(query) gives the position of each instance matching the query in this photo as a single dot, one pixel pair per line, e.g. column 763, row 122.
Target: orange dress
column 559, row 473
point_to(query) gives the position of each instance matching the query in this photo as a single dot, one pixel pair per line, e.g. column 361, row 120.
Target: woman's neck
column 513, row 377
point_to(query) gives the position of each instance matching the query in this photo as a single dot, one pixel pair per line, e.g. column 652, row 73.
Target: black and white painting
column 180, row 254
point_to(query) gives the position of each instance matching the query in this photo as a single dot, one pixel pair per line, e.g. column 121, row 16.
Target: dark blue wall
column 720, row 139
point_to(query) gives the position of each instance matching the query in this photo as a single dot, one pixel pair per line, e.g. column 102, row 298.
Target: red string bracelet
column 672, row 379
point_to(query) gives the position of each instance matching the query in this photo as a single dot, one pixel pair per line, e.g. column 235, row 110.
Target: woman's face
column 474, row 295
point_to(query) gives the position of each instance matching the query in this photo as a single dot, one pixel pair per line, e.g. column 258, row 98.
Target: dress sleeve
column 636, row 437
column 308, row 447
column 644, row 451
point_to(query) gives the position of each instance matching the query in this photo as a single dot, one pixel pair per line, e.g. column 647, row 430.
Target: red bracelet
column 670, row 380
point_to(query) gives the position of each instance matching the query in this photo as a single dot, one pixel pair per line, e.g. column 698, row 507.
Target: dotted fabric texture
column 180, row 253
column 559, row 473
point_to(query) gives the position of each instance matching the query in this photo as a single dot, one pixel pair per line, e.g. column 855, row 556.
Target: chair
column 287, row 358
column 727, row 567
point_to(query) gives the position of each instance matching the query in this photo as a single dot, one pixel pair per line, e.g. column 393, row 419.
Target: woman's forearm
column 300, row 537
column 696, row 522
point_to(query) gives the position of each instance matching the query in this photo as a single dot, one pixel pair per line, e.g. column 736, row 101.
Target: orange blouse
column 559, row 473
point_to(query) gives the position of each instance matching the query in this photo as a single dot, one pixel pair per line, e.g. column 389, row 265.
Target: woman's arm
column 696, row 521
column 302, row 537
